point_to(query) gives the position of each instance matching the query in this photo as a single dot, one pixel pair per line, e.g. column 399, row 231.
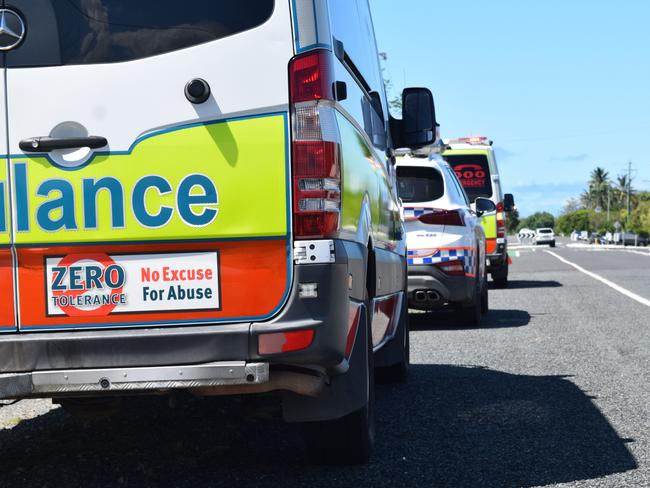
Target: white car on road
column 445, row 239
column 545, row 235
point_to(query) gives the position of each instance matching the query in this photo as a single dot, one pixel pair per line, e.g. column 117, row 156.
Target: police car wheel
column 349, row 440
column 471, row 314
column 485, row 306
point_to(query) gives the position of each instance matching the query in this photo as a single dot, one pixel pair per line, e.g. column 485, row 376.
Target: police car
column 445, row 239
column 475, row 164
column 172, row 213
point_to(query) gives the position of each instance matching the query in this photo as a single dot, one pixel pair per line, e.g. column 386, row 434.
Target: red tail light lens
column 312, row 77
column 316, row 160
column 278, row 342
column 452, row 268
column 443, row 217
column 501, row 224
column 315, row 225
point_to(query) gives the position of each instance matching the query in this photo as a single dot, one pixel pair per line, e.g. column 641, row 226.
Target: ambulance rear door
column 148, row 162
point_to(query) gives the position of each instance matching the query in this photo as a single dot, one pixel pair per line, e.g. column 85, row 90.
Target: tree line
column 603, row 203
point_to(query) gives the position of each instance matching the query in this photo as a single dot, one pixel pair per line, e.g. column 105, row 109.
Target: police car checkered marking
column 412, row 213
column 422, row 253
column 467, row 256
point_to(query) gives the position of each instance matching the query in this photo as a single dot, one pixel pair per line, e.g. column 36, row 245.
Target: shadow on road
column 447, row 320
column 521, row 284
column 449, row 426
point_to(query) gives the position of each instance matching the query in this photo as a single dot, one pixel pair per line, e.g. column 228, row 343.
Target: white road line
column 626, row 251
column 642, row 253
column 610, row 247
column 620, row 289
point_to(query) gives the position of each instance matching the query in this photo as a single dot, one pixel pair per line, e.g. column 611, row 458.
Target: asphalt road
column 552, row 390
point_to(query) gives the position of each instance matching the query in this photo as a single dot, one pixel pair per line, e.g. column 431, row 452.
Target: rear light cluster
column 316, row 158
column 443, row 217
column 279, row 342
column 501, row 223
column 452, row 268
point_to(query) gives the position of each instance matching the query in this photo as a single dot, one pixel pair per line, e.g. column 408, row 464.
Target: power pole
column 629, row 191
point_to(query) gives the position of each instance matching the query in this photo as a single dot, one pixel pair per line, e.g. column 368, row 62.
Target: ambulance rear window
column 416, row 184
column 63, row 32
column 473, row 171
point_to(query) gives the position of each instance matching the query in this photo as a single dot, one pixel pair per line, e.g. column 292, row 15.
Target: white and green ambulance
column 200, row 196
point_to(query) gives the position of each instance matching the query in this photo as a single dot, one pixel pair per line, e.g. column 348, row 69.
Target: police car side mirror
column 418, row 125
column 508, row 202
column 484, row 205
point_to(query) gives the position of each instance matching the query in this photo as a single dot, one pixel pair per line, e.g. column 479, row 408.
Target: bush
column 578, row 220
column 537, row 220
column 640, row 218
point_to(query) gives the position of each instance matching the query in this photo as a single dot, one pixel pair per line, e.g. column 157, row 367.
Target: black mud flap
column 344, row 394
column 393, row 351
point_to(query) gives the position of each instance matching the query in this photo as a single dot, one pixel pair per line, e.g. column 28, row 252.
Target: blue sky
column 561, row 86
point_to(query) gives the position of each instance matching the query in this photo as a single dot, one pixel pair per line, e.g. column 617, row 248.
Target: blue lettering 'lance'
column 196, row 197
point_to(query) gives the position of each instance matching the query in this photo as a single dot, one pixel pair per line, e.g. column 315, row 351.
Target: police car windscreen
column 62, row 32
column 473, row 172
column 415, row 184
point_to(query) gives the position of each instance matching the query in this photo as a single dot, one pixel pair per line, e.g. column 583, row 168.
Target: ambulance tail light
column 315, row 146
column 452, row 268
column 501, row 223
column 443, row 217
column 279, row 342
column 312, row 77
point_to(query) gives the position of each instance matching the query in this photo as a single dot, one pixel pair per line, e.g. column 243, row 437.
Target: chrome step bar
column 44, row 383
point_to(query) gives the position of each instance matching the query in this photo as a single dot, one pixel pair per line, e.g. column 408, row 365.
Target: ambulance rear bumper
column 84, row 381
column 37, row 363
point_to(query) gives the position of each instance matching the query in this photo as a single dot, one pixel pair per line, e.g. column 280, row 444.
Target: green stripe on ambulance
column 204, row 181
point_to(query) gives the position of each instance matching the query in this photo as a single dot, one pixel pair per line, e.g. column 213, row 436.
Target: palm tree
column 620, row 191
column 586, row 199
column 599, row 187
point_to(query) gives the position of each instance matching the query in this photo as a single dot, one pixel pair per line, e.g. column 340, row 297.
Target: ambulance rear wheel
column 500, row 277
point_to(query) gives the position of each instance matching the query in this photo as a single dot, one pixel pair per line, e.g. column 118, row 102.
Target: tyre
column 500, row 277
column 485, row 305
column 350, row 439
column 470, row 315
column 552, row 244
column 399, row 371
